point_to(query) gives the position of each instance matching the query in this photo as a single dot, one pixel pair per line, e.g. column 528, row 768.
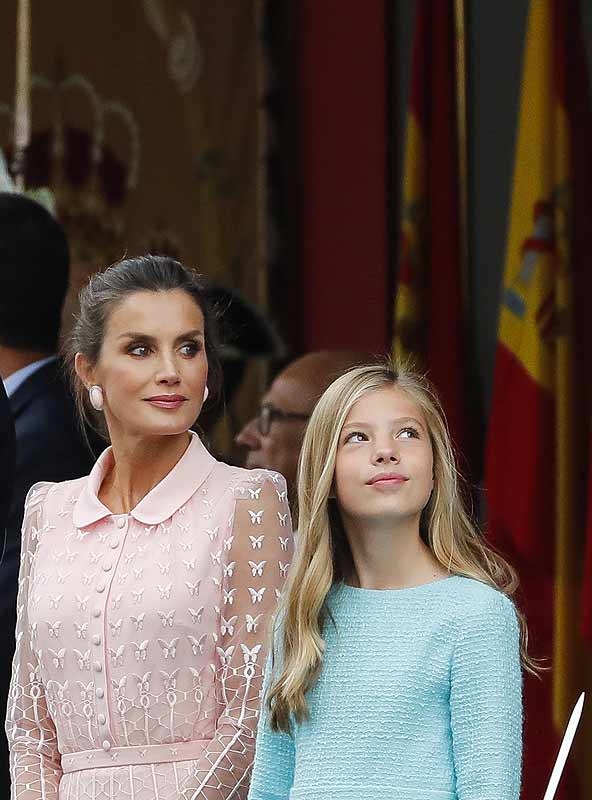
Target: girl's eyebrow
column 394, row 422
column 147, row 338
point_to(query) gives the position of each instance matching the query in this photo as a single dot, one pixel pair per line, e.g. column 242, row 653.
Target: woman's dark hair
column 101, row 296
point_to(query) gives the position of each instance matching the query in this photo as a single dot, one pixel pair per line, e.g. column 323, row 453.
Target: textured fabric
column 419, row 698
column 14, row 381
column 140, row 637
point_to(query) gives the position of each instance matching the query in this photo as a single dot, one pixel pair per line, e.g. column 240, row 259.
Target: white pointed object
column 568, row 738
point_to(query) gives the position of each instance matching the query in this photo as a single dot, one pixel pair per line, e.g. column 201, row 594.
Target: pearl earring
column 206, row 393
column 95, row 395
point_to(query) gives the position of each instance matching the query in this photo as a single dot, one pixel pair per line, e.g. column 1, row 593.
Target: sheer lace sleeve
column 256, row 555
column 35, row 762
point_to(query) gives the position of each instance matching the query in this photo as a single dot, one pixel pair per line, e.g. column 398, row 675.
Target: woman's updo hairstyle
column 101, row 296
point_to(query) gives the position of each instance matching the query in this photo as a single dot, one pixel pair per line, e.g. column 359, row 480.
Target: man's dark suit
column 49, row 447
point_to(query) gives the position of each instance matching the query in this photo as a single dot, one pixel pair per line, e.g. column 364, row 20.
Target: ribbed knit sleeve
column 486, row 701
column 273, row 770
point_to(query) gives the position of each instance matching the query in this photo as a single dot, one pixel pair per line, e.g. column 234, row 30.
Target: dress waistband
column 130, row 756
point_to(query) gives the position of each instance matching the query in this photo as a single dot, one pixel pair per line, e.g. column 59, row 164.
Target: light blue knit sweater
column 419, row 698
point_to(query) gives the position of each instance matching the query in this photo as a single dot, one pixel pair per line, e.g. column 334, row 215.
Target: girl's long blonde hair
column 324, row 556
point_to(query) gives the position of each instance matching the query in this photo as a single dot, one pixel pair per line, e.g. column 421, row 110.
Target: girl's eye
column 411, row 433
column 355, row 436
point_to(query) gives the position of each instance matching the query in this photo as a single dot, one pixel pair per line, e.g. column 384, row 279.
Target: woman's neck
column 139, row 464
column 390, row 556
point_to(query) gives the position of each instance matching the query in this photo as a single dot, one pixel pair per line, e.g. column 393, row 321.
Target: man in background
column 274, row 437
column 34, row 267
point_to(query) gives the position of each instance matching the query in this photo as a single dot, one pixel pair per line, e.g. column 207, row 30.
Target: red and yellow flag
column 428, row 318
column 535, row 452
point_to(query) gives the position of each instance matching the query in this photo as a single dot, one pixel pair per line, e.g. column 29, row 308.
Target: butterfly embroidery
column 169, row 649
column 182, row 528
column 88, row 579
column 281, row 495
column 196, row 615
column 250, row 656
column 137, row 595
column 60, row 578
column 55, row 601
column 83, row 659
column 81, row 630
column 143, row 684
column 164, row 530
column 255, row 493
column 138, row 621
column 148, row 530
column 229, row 569
column 165, row 547
column 117, row 656
column 164, row 568
column 193, row 588
column 165, row 591
column 212, row 533
column 282, row 519
column 256, row 595
column 138, row 573
column 140, row 649
column 63, row 512
column 216, row 557
column 142, row 549
column 228, row 542
column 283, row 569
column 284, row 542
column 116, row 602
column 256, row 541
column 115, row 627
column 229, row 596
column 54, row 630
column 197, row 645
column 257, row 569
column 103, row 537
column 169, row 679
column 95, row 557
column 252, row 622
column 58, row 658
column 227, row 626
column 189, row 564
column 185, row 546
column 123, row 578
column 225, row 655
column 129, row 557
column 167, row 618
column 256, row 517
column 275, row 477
column 82, row 602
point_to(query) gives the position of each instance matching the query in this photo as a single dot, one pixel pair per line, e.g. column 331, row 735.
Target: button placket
column 113, row 546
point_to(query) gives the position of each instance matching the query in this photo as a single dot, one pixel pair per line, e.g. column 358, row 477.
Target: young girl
column 397, row 664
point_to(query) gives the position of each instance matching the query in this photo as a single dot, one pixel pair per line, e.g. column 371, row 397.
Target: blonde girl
column 398, row 655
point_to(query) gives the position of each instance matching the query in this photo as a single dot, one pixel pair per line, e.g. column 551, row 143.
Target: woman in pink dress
column 146, row 588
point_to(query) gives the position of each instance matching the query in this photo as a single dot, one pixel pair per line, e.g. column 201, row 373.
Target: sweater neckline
column 356, row 591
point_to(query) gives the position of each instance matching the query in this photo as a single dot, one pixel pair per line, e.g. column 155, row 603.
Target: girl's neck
column 139, row 464
column 391, row 556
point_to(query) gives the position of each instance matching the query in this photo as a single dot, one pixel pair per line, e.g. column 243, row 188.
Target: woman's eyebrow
column 146, row 337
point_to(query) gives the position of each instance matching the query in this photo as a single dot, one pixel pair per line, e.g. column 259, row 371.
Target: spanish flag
column 428, row 316
column 536, row 455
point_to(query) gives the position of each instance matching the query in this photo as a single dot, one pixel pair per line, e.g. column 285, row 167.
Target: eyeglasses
column 268, row 413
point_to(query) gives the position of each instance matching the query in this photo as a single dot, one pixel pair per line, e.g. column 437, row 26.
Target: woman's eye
column 190, row 349
column 139, row 350
column 408, row 433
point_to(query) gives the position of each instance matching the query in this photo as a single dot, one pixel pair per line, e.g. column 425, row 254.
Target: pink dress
column 141, row 637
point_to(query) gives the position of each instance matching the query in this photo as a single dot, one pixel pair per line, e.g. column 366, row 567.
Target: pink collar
column 161, row 502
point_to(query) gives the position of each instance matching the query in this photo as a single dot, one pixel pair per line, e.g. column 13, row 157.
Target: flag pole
column 22, row 105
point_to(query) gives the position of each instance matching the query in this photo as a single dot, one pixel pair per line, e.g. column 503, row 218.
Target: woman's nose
column 167, row 371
